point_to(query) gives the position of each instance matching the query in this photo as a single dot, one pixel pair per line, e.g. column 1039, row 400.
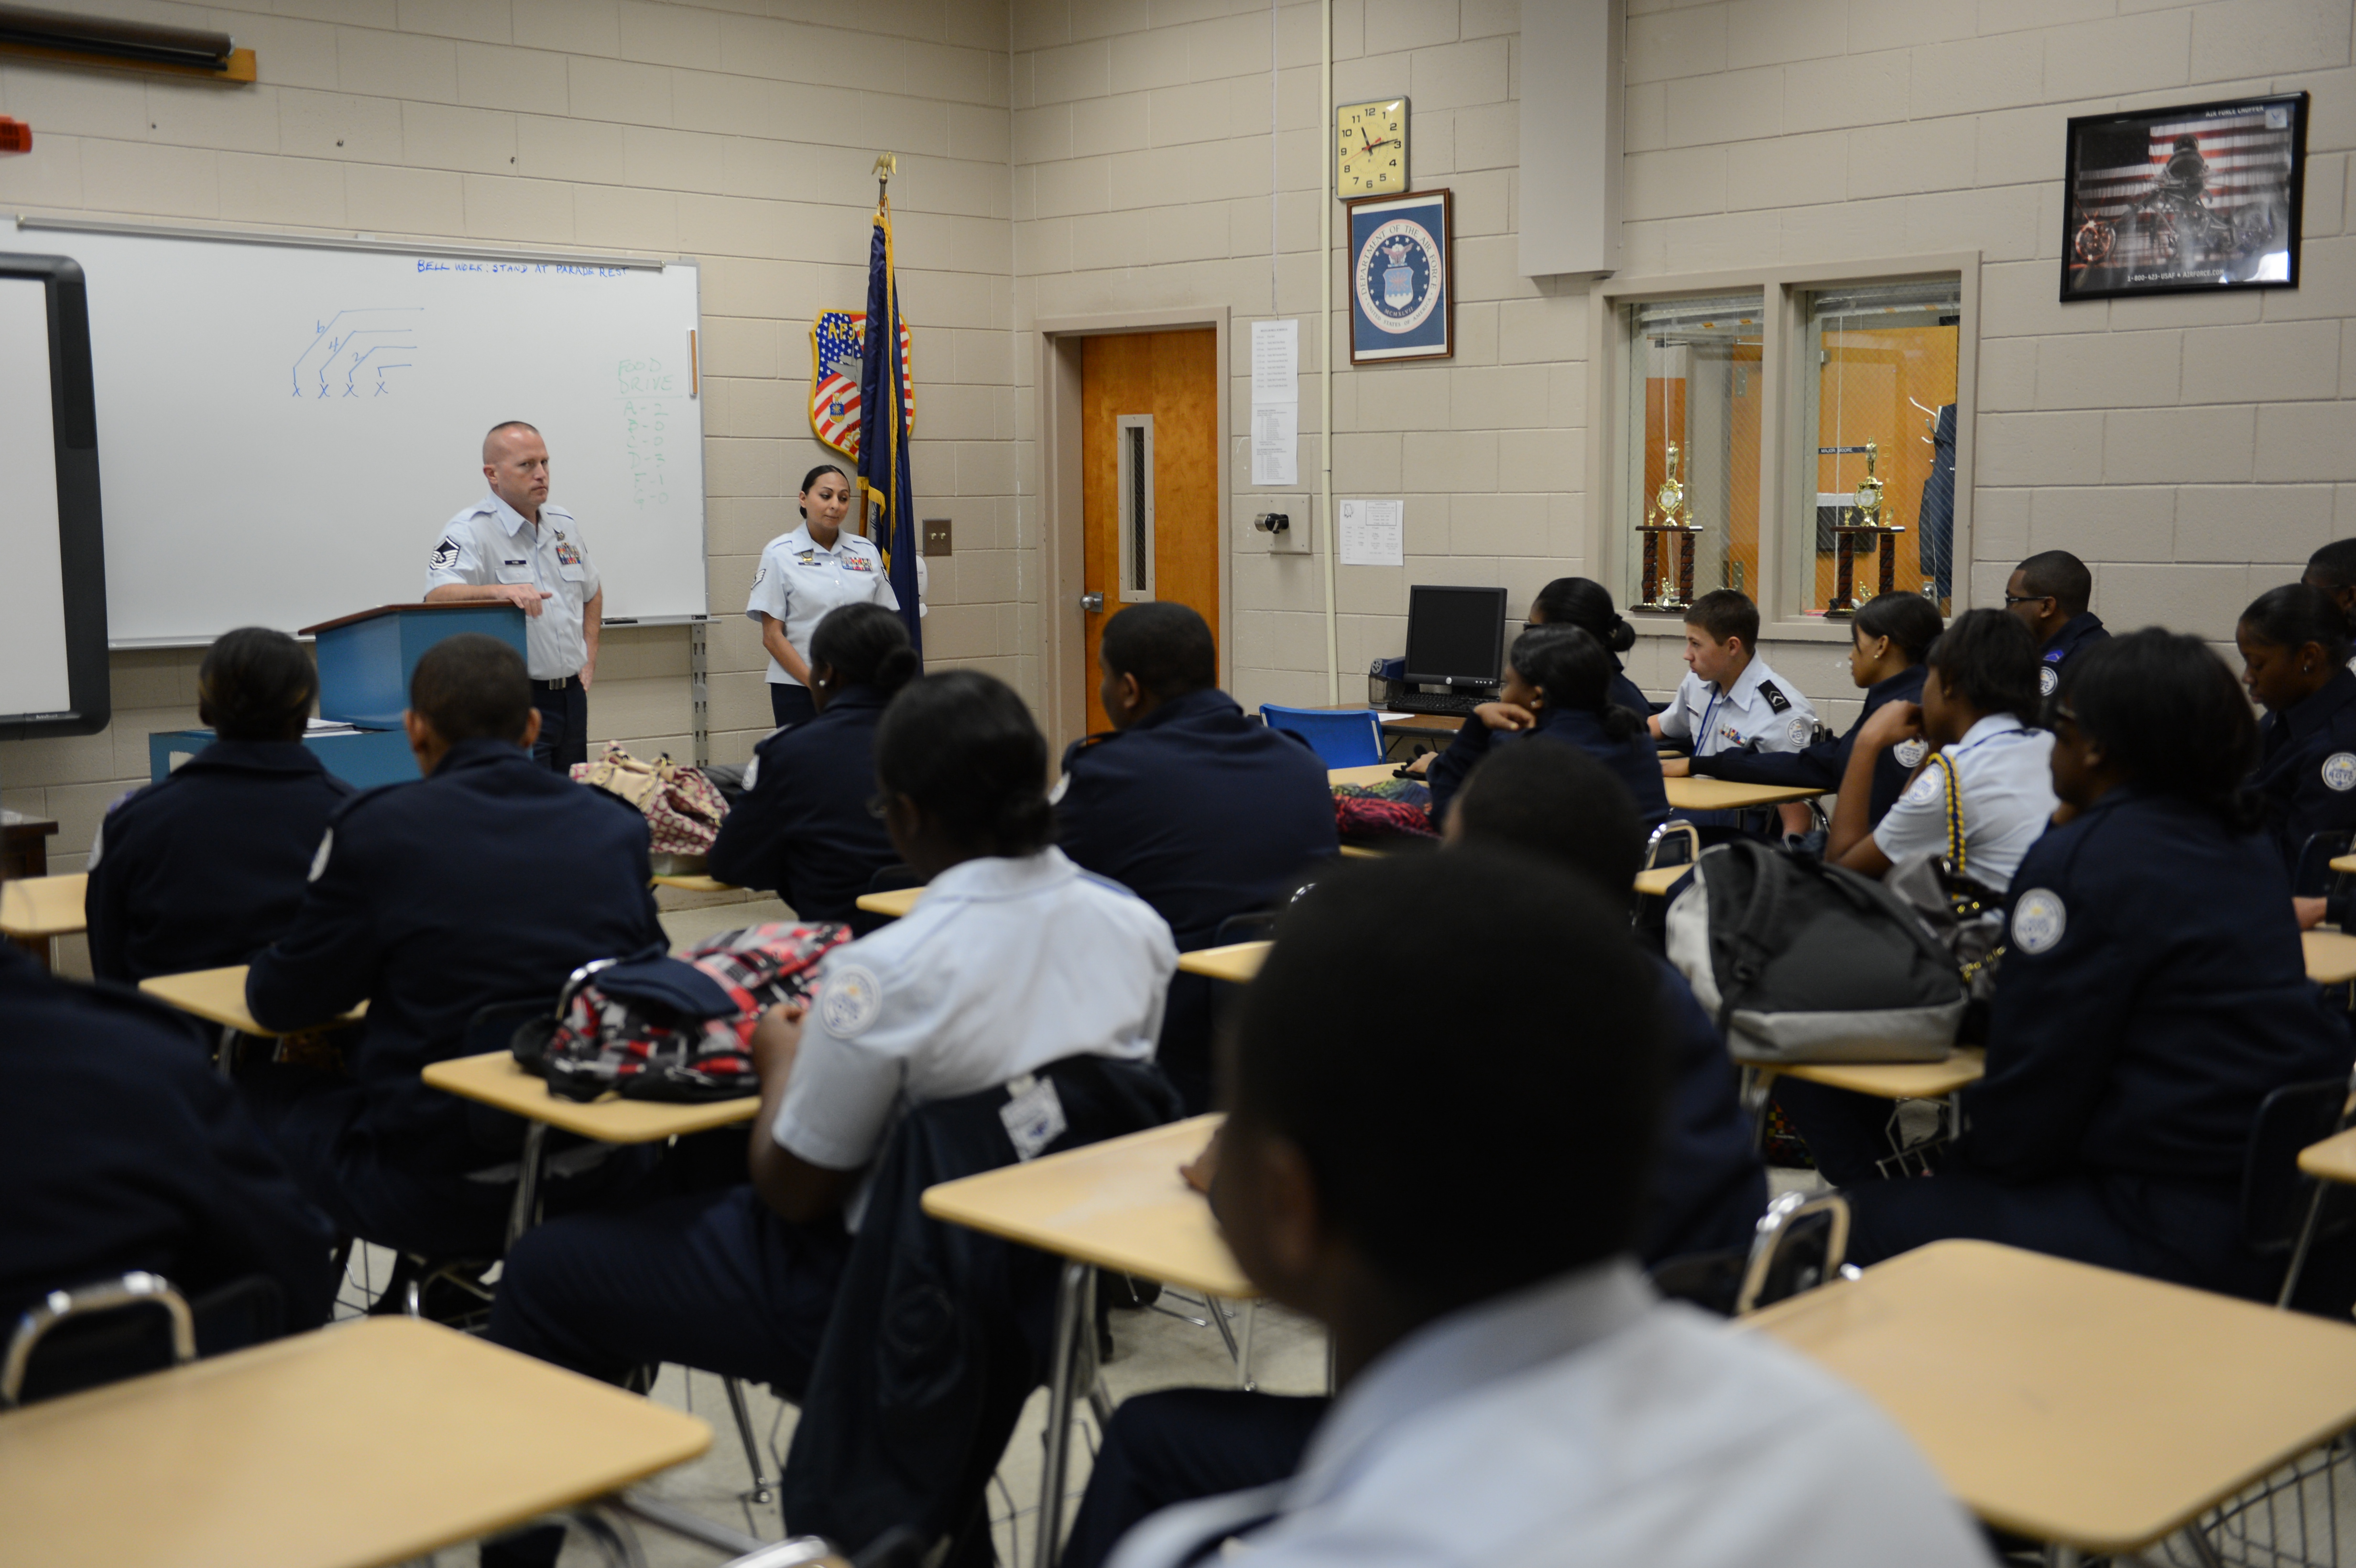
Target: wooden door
column 1149, row 477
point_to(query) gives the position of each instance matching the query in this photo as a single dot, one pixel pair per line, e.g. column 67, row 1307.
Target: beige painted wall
column 1083, row 157
column 731, row 134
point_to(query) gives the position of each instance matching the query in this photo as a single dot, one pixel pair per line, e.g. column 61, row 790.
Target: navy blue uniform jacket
column 2079, row 632
column 803, row 827
column 1634, row 761
column 1822, row 765
column 2134, row 1046
column 491, row 881
column 121, row 1149
column 1624, row 693
column 204, row 867
column 1709, row 1188
column 1199, row 811
column 2296, row 777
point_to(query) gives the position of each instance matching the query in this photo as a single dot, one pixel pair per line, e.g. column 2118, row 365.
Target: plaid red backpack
column 674, row 1029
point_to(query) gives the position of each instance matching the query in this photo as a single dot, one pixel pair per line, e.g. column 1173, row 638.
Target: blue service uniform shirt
column 204, row 867
column 2078, row 633
column 800, row 580
column 1633, row 761
column 491, row 542
column 802, row 826
column 1822, row 763
column 2307, row 769
column 1757, row 710
column 121, row 1148
column 1196, row 809
column 490, row 880
column 2153, row 991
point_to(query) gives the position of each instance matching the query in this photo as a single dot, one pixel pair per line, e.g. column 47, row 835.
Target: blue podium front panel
column 365, row 664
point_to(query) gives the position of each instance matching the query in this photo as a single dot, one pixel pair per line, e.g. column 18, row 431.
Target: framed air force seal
column 1402, row 290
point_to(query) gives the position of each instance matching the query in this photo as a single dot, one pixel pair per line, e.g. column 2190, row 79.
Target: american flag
column 835, row 348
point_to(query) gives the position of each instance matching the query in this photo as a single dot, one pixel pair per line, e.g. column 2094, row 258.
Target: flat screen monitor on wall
column 53, row 677
column 1455, row 637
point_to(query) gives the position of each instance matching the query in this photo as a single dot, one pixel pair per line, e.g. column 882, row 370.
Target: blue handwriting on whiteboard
column 554, row 269
column 352, row 350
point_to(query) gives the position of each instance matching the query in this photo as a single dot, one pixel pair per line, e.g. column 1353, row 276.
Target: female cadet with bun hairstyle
column 1888, row 640
column 206, row 866
column 1586, row 603
column 2294, row 643
column 2153, row 993
column 1557, row 685
column 802, row 827
column 816, row 568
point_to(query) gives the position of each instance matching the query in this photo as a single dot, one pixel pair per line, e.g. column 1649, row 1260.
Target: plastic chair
column 2283, row 1208
column 2314, row 877
column 1789, row 1254
column 89, row 1360
column 1348, row 740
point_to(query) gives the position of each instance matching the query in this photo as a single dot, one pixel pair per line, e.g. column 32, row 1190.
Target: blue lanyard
column 1702, row 739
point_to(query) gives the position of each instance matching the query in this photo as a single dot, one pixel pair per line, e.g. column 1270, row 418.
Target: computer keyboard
column 1462, row 703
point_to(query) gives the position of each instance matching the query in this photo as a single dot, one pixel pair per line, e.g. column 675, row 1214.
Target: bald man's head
column 515, row 461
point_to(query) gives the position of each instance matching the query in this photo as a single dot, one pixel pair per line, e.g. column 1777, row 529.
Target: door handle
column 1092, row 602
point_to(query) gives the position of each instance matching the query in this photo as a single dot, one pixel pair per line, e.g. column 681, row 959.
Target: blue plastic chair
column 1350, row 740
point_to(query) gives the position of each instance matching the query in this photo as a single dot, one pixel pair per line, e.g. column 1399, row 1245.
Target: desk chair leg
column 2298, row 1253
column 764, row 1488
column 614, row 1542
column 2058, row 1556
column 1244, row 1362
column 225, row 1053
column 1753, row 1093
column 525, row 1213
column 1075, row 1311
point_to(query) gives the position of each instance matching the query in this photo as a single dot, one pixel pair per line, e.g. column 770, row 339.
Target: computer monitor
column 1455, row 637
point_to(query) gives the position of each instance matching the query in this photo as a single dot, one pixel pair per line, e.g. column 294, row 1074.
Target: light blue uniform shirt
column 798, row 582
column 1005, row 966
column 1758, row 705
column 491, row 542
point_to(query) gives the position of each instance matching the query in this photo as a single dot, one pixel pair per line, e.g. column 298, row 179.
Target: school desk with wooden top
column 217, row 996
column 497, row 1079
column 35, row 909
column 2330, row 956
column 380, row 1440
column 1945, row 1080
column 2095, row 1411
column 1119, row 1204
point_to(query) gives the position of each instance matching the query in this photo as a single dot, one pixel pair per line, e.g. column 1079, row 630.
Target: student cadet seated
column 121, row 1148
column 1557, row 685
column 1887, row 642
column 802, row 827
column 1016, row 959
column 1511, row 1391
column 1551, row 804
column 1199, row 811
column 1586, row 603
column 2152, row 993
column 2294, row 643
column 1979, row 708
column 205, row 865
column 488, row 880
column 1730, row 700
column 2050, row 592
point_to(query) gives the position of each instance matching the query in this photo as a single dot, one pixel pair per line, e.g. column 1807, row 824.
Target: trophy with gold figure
column 1669, row 529
column 1864, row 522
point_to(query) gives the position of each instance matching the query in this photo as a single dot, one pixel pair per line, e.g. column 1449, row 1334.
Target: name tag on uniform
column 518, row 563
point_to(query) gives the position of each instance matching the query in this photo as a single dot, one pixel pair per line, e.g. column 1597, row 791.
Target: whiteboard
column 32, row 587
column 283, row 429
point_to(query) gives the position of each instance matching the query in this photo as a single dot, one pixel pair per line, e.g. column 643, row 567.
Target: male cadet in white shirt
column 1730, row 700
column 1512, row 1393
column 816, row 568
column 513, row 546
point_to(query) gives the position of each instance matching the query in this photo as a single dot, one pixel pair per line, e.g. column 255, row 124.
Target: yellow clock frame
column 1370, row 148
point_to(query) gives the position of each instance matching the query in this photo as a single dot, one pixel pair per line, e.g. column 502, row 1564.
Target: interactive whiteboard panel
column 285, row 428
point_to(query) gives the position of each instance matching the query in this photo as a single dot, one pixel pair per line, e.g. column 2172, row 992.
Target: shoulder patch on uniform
column 1931, row 786
column 1910, row 753
column 446, row 552
column 1055, row 796
column 1776, row 700
column 2049, row 679
column 319, row 860
column 2339, row 772
column 1801, row 729
column 849, row 997
column 2038, row 919
column 760, row 576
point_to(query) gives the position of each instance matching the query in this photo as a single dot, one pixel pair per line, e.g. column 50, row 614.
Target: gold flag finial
column 886, row 166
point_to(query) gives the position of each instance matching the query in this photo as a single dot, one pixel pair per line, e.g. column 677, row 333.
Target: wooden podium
column 366, row 661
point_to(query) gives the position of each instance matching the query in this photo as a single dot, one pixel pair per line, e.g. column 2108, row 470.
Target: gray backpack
column 1805, row 962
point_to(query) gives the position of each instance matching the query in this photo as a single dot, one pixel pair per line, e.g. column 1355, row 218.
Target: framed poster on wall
column 2185, row 200
column 1402, row 294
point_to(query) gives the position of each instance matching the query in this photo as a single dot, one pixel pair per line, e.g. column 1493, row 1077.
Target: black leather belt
column 567, row 684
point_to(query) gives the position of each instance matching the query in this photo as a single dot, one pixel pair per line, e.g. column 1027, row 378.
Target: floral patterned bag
column 682, row 807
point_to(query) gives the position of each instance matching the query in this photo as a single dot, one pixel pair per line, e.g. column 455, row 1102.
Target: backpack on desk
column 1800, row 961
column 660, row 1028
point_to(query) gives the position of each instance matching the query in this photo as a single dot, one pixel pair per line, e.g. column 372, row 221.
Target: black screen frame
column 1497, row 662
column 82, row 542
